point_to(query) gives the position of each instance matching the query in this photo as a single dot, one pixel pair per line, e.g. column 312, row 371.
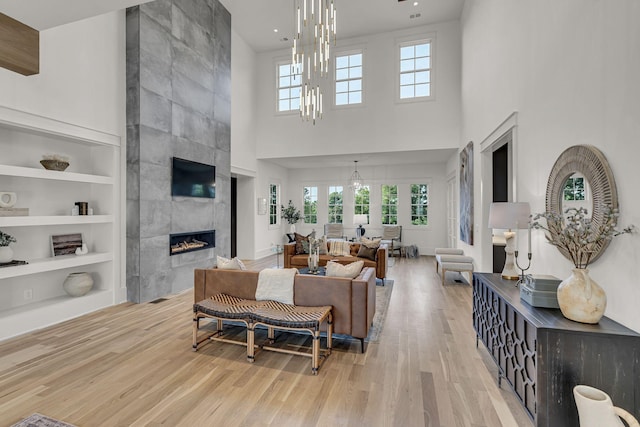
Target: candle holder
column 524, row 278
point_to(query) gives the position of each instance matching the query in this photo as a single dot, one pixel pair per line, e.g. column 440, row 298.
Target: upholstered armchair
column 392, row 236
column 334, row 231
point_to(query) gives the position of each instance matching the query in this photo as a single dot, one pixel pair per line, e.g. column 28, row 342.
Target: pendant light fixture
column 355, row 181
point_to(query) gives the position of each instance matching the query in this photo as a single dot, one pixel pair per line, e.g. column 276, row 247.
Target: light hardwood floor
column 132, row 365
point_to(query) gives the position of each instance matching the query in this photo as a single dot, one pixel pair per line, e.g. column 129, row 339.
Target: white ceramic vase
column 78, row 284
column 292, row 228
column 6, row 254
column 580, row 298
column 596, row 409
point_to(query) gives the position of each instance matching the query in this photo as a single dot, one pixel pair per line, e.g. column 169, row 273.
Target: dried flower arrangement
column 575, row 233
column 5, row 239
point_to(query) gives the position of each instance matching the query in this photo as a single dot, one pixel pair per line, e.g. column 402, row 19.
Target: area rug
column 383, row 295
column 39, row 420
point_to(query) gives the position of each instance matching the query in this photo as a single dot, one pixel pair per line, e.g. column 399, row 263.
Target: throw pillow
column 340, row 248
column 230, row 264
column 370, row 243
column 302, row 243
column 367, row 252
column 322, row 241
column 350, row 271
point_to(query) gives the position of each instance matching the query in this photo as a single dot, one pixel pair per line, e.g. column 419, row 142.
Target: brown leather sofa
column 353, row 300
column 291, row 260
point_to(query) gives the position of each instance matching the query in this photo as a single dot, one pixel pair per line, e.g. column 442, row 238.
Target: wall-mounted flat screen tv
column 193, row 179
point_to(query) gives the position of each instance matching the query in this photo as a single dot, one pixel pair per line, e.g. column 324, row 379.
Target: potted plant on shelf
column 580, row 298
column 6, row 253
column 292, row 215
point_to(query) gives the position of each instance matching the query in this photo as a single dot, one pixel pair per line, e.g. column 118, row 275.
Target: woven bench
column 273, row 315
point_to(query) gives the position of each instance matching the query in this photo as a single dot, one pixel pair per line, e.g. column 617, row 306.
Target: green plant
column 291, row 213
column 5, row 239
column 575, row 233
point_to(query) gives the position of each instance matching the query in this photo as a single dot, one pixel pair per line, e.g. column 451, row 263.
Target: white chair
column 334, row 231
column 392, row 236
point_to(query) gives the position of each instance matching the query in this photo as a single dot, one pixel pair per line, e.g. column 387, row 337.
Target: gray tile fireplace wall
column 178, row 104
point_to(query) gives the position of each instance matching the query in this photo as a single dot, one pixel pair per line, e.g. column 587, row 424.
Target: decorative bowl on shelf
column 54, row 165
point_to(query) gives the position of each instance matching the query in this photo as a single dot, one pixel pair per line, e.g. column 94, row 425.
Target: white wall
column 570, row 71
column 426, row 238
column 381, row 124
column 81, row 79
column 266, row 236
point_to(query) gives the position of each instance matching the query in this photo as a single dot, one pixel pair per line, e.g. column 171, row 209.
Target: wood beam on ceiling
column 19, row 46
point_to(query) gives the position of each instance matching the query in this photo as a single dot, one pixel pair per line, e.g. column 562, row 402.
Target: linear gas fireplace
column 195, row 241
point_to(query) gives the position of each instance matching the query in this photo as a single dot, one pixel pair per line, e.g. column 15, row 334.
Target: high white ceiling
column 255, row 21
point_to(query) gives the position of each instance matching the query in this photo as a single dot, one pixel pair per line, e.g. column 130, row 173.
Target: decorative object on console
column 6, row 253
column 580, row 298
column 83, row 208
column 292, row 215
column 8, row 199
column 54, row 162
column 508, row 216
column 360, row 219
column 78, row 284
column 65, row 244
column 595, row 409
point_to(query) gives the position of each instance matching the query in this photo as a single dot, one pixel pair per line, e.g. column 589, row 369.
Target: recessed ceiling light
column 415, row 3
column 275, row 30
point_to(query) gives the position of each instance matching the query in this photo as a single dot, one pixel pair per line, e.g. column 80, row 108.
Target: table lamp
column 360, row 219
column 509, row 216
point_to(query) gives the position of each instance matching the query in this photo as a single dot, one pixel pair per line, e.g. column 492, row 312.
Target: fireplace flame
column 187, row 245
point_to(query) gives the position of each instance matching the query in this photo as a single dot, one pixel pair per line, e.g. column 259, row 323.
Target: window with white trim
column 335, row 204
column 310, row 205
column 419, row 204
column 274, row 202
column 361, row 201
column 349, row 79
column 415, row 70
column 289, row 83
column 389, row 204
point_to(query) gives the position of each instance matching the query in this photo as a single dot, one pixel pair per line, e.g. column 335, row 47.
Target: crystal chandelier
column 315, row 30
column 355, row 182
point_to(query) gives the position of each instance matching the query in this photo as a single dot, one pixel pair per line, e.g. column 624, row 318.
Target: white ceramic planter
column 78, row 284
column 595, row 409
column 580, row 298
column 6, row 254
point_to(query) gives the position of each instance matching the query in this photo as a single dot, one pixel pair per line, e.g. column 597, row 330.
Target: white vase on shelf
column 580, row 298
column 78, row 284
column 292, row 228
column 6, row 254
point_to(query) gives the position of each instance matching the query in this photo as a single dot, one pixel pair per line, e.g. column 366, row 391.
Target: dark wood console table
column 543, row 355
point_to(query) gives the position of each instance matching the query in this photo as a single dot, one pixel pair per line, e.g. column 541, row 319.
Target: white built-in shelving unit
column 31, row 295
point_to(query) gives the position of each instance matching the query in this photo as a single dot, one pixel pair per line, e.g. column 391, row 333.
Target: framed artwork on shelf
column 65, row 244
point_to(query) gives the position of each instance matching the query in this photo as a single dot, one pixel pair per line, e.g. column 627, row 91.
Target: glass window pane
column 284, row 69
column 342, row 99
column 295, row 80
column 423, row 90
column 342, row 74
column 283, row 94
column 342, row 86
column 342, row 61
column 355, row 60
column 406, row 92
column 284, row 81
column 422, row 77
column 355, row 97
column 295, row 104
column 422, row 63
column 407, row 79
column 355, row 85
column 423, row 49
column 295, row 92
column 406, row 52
column 355, row 72
column 406, row 65
column 283, row 105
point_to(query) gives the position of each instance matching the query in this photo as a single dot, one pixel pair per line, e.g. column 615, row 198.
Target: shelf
column 27, row 221
column 21, row 171
column 57, row 263
column 36, row 315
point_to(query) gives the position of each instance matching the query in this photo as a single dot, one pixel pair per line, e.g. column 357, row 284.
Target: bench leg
column 220, row 327
column 315, row 352
column 250, row 342
column 443, row 274
column 330, row 334
column 271, row 336
column 196, row 324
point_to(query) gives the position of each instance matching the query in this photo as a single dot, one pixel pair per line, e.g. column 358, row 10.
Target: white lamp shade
column 360, row 219
column 509, row 215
